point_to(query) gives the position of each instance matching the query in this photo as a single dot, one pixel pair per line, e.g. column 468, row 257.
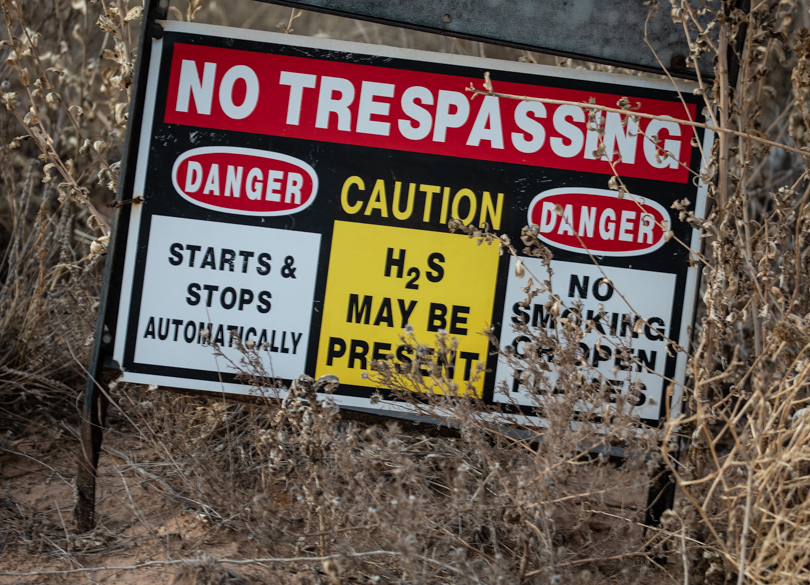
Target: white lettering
column 530, row 127
column 190, row 84
column 247, row 75
column 487, row 125
column 548, row 218
column 368, row 107
column 626, row 226
column 253, row 185
column 587, row 221
column 297, row 82
column 444, row 119
column 567, row 130
column 567, row 221
column 607, row 224
column 416, row 113
column 233, row 181
column 212, row 183
column 194, row 175
column 662, row 161
column 645, row 229
column 273, row 192
column 329, row 104
column 294, row 183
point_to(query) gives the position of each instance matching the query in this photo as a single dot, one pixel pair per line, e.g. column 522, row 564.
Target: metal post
column 95, row 399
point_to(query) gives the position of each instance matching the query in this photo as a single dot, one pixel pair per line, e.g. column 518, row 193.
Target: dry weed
column 395, row 503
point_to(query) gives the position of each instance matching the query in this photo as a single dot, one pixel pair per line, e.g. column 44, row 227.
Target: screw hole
column 446, row 18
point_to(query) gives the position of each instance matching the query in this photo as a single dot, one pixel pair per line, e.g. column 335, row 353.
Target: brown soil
column 138, row 523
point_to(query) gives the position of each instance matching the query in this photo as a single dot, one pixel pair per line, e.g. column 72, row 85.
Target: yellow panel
column 384, row 278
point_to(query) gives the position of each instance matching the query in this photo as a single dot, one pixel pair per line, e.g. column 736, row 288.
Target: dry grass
column 349, row 500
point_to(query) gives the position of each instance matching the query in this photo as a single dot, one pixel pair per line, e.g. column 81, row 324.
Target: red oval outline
column 629, row 200
column 248, row 152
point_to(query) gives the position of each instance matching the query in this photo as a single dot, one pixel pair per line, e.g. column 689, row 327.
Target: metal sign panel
column 296, row 196
column 606, row 31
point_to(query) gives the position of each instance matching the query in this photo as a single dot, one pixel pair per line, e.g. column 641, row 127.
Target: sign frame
column 130, row 200
column 218, row 383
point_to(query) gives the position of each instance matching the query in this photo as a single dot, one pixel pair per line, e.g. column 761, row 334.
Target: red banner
column 398, row 109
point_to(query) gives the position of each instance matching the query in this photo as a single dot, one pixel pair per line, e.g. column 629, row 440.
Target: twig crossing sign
column 296, row 196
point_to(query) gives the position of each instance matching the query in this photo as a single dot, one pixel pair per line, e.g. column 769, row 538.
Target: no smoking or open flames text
column 296, row 199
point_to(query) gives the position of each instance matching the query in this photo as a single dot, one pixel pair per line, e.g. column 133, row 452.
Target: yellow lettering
column 398, row 213
column 429, row 191
column 445, row 202
column 494, row 212
column 377, row 200
column 344, row 194
column 462, row 193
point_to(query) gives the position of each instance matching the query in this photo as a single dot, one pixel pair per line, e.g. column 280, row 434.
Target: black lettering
column 357, row 352
column 406, row 311
column 228, row 304
column 652, row 333
column 295, row 340
column 458, row 318
column 437, row 317
column 176, row 323
column 467, row 357
column 202, row 339
column 404, row 353
column 381, row 351
column 233, row 331
column 211, row 289
column 384, row 313
column 620, row 358
column 539, row 316
column 516, row 345
column 601, row 353
column 646, row 361
column 189, row 337
column 209, row 260
column 176, row 250
column 163, row 335
column 337, row 349
column 597, row 293
column 637, row 395
column 227, row 256
column 597, row 320
column 264, row 264
column 193, row 255
column 519, row 314
column 435, row 262
column 245, row 297
column 193, row 297
column 581, row 287
column 391, row 262
column 251, row 332
column 357, row 312
column 219, row 336
column 246, row 255
column 264, row 301
column 150, row 329
column 414, row 273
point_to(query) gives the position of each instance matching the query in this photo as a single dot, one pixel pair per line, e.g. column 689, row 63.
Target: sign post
column 294, row 197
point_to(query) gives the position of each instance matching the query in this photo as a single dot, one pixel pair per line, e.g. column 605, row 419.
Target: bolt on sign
column 296, row 199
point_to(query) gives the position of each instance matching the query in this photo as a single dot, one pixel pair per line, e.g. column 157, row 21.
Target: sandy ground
column 138, row 523
column 146, row 536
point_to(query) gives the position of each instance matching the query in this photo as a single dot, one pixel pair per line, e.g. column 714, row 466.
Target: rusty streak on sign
column 606, row 31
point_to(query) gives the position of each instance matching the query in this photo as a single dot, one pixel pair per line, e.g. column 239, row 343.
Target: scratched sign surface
column 296, row 195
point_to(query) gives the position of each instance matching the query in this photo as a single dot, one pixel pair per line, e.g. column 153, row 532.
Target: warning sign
column 383, row 280
column 296, row 195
